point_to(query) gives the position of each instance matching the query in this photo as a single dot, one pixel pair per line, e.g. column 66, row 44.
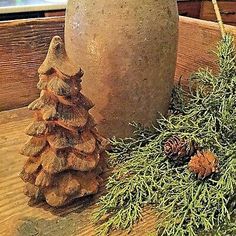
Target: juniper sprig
column 142, row 174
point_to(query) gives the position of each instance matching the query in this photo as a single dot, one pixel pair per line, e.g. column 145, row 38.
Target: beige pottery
column 127, row 49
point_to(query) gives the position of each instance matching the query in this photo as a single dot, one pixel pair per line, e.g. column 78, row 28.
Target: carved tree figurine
column 66, row 153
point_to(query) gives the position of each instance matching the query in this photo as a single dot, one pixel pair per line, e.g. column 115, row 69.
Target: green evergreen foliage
column 143, row 175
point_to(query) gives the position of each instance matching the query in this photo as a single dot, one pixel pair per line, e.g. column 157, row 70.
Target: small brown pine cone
column 178, row 149
column 204, row 164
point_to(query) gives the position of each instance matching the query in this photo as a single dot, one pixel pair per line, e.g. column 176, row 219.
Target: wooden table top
column 17, row 217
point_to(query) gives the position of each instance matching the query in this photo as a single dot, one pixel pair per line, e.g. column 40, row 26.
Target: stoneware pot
column 127, row 49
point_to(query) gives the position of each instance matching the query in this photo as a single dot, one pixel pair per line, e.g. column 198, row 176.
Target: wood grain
column 189, row 8
column 17, row 217
column 197, row 41
column 54, row 13
column 227, row 9
column 23, row 46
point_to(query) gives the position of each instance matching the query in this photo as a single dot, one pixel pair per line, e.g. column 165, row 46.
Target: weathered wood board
column 227, row 10
column 24, row 44
column 17, row 218
column 197, row 42
column 189, row 8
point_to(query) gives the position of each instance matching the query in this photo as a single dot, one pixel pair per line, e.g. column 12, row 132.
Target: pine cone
column 178, row 149
column 204, row 164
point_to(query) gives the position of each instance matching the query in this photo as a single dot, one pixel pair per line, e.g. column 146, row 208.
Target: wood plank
column 189, row 8
column 23, row 46
column 227, row 9
column 17, row 218
column 197, row 41
column 54, row 13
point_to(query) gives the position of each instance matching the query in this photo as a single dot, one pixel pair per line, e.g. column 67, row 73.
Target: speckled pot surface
column 127, row 49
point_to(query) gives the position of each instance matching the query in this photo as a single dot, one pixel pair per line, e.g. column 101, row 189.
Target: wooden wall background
column 24, row 44
column 203, row 9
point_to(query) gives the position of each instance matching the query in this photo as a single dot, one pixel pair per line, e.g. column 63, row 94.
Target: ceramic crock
column 127, row 49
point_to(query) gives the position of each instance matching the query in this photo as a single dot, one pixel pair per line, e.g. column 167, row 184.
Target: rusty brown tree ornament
column 66, row 152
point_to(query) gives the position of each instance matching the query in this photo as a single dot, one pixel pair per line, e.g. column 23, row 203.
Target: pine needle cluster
column 143, row 176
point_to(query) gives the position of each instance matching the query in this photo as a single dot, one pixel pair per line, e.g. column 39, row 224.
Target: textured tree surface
column 66, row 153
